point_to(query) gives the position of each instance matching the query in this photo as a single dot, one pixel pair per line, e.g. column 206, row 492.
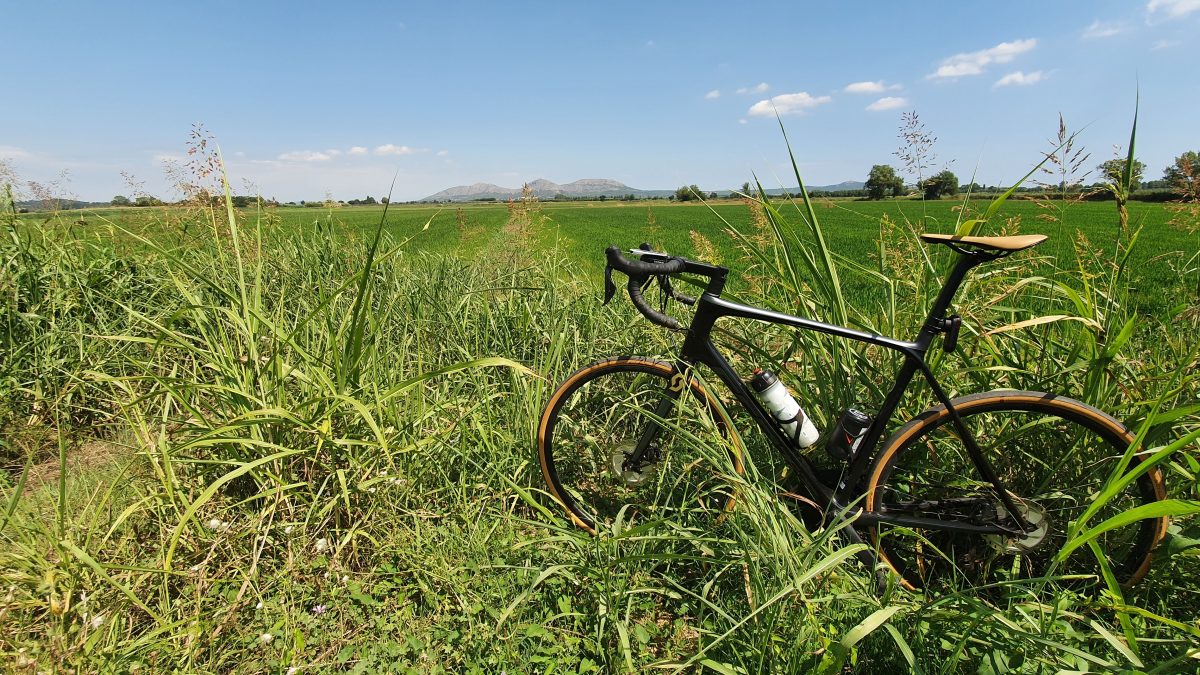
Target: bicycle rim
column 592, row 425
column 1052, row 454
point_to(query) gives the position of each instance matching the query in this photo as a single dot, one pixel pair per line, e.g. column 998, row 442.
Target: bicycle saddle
column 1007, row 244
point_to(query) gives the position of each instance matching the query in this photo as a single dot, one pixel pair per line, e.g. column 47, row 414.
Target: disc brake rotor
column 632, row 476
column 1035, row 514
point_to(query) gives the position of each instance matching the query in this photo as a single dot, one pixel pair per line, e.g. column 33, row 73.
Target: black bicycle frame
column 698, row 349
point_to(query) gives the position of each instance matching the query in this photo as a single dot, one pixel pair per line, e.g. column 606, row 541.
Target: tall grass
column 317, row 455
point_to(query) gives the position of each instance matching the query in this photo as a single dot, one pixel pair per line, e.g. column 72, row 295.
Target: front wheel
column 598, row 419
column 1052, row 454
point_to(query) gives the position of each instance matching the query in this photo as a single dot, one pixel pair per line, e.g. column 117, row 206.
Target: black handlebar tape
column 639, row 268
column 655, row 316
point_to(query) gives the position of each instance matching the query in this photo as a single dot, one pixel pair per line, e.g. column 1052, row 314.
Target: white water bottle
column 776, row 399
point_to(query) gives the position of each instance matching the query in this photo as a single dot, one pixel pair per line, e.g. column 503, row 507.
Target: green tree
column 688, row 193
column 883, row 181
column 944, row 183
column 1184, row 175
column 120, row 200
column 1113, row 171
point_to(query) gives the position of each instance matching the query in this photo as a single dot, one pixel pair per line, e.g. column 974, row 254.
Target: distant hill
column 543, row 189
column 844, row 186
column 591, row 187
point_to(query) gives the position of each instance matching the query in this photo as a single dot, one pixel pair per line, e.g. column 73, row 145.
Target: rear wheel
column 593, row 424
column 1052, row 454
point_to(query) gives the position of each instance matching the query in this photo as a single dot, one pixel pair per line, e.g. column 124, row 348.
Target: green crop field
column 296, row 441
column 1162, row 261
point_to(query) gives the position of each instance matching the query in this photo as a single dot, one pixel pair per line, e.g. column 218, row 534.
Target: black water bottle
column 848, row 434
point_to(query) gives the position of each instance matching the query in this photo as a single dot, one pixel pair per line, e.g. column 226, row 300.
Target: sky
column 313, row 99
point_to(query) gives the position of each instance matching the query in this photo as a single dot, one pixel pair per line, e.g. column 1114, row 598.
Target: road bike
column 980, row 487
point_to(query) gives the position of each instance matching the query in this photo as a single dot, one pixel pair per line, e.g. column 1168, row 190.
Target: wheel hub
column 633, row 476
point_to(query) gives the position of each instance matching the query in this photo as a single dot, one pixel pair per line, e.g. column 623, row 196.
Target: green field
column 268, row 444
column 580, row 232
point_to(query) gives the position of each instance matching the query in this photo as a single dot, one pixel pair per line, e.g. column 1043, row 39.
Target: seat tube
column 963, row 265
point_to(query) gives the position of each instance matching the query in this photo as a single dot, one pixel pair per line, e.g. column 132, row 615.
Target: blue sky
column 309, row 99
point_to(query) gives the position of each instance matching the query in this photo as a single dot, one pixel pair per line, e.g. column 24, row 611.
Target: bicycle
column 982, row 486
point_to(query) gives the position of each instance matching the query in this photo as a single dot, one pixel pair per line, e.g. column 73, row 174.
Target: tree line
column 1180, row 180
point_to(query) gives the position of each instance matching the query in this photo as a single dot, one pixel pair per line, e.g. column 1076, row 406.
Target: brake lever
column 610, row 289
column 665, row 283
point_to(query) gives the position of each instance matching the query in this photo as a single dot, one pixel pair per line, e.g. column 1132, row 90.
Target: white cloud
column 869, row 87
column 10, row 152
column 756, row 89
column 888, row 103
column 389, row 149
column 973, row 63
column 715, row 93
column 1020, row 79
column 1173, row 8
column 168, row 157
column 305, row 156
column 1103, row 29
column 787, row 104
column 1164, row 44
column 443, row 153
column 357, row 150
column 743, row 121
column 649, row 43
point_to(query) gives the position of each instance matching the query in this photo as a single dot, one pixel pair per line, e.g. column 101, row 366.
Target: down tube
column 713, row 359
column 710, row 357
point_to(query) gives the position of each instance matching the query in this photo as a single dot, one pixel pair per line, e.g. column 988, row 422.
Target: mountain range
column 589, row 187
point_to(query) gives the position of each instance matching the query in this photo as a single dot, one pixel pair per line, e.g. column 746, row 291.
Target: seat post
column 966, row 260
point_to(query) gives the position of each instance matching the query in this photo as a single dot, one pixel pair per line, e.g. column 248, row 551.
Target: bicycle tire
column 593, row 419
column 1051, row 453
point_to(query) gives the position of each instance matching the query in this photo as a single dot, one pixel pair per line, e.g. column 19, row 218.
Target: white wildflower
column 322, row 545
column 259, row 605
column 289, row 529
column 97, row 621
column 266, row 638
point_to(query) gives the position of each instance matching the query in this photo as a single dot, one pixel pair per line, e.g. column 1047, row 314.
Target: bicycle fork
column 653, row 428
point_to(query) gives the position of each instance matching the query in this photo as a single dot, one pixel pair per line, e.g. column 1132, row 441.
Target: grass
column 320, row 428
column 852, row 226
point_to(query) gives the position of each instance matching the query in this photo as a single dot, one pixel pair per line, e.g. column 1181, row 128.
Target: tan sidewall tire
column 598, row 369
column 1002, row 400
